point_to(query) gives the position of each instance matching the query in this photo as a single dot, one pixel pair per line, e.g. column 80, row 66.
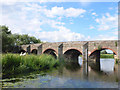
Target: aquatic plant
column 15, row 64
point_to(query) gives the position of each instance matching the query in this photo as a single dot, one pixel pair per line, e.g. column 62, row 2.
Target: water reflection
column 72, row 66
column 95, row 66
column 80, row 61
column 81, row 74
column 107, row 65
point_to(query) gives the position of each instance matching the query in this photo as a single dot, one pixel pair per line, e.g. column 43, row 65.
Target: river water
column 103, row 74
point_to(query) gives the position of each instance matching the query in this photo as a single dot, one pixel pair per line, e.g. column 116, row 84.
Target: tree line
column 10, row 40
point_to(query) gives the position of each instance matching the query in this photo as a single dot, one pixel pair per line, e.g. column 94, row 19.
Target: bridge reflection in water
column 90, row 71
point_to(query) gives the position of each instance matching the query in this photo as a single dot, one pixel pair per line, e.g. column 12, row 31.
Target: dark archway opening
column 22, row 51
column 34, row 51
column 93, row 55
column 50, row 52
column 72, row 54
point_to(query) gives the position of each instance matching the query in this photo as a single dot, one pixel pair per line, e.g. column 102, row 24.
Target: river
column 70, row 75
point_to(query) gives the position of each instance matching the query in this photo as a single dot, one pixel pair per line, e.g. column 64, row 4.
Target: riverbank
column 16, row 64
column 106, row 56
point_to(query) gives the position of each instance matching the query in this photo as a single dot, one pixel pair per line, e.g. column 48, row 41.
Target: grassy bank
column 15, row 64
column 106, row 56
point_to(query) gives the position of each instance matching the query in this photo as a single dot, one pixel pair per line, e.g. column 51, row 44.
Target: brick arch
column 71, row 49
column 72, row 54
column 53, row 53
column 34, row 51
column 102, row 49
column 33, row 47
column 110, row 49
column 51, row 49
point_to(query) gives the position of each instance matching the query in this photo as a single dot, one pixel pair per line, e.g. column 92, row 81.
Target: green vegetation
column 94, row 44
column 24, row 39
column 80, row 55
column 106, row 56
column 16, row 64
column 7, row 41
column 99, row 47
column 103, row 52
column 116, row 43
column 10, row 40
column 116, row 61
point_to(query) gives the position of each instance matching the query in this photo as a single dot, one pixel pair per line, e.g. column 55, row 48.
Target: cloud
column 116, row 32
column 106, row 37
column 7, row 2
column 60, row 11
column 71, row 23
column 28, row 18
column 63, row 34
column 91, row 27
column 107, row 22
column 94, row 14
column 110, row 8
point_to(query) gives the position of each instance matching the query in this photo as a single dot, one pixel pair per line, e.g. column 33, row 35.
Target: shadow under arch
column 72, row 54
column 23, row 51
column 34, row 51
column 50, row 52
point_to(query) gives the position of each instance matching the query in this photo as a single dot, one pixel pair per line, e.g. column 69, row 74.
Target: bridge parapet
column 34, row 46
column 53, row 46
column 73, row 45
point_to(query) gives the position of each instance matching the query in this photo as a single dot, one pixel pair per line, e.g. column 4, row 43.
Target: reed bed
column 16, row 64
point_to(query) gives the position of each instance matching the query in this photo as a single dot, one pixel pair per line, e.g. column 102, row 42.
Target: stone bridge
column 74, row 48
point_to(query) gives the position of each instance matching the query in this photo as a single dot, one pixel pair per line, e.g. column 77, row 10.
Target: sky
column 62, row 21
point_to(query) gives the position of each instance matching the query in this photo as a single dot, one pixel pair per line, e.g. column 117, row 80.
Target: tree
column 25, row 39
column 7, row 40
column 104, row 52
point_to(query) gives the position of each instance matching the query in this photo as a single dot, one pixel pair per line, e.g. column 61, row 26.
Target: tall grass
column 106, row 56
column 15, row 64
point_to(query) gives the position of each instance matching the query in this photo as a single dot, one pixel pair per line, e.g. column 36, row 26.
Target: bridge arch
column 72, row 54
column 22, row 50
column 34, row 51
column 51, row 52
column 103, row 48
